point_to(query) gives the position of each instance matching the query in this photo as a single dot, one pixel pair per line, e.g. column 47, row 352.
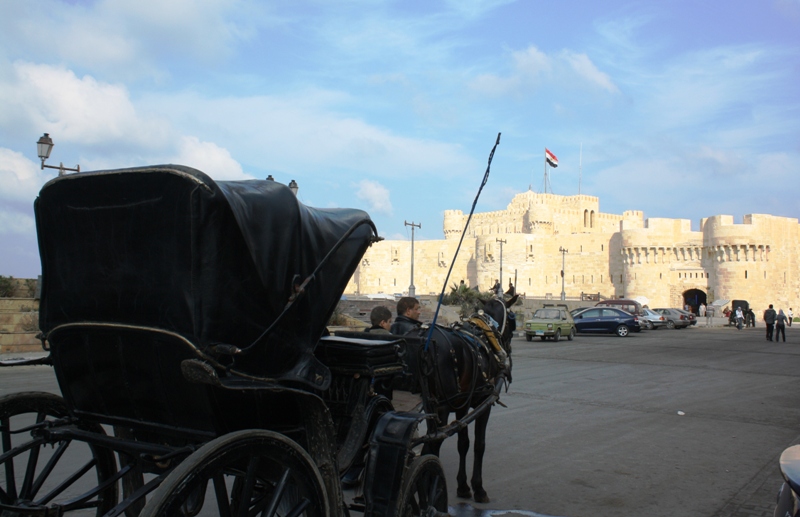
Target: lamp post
column 501, row 241
column 293, row 187
column 411, row 289
column 43, row 147
column 563, row 253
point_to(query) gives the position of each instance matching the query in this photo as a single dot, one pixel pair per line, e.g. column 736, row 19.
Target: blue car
column 606, row 320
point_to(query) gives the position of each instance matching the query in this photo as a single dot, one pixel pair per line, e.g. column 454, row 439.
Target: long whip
column 447, row 278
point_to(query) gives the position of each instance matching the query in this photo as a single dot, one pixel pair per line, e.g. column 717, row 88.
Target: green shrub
column 469, row 300
column 6, row 286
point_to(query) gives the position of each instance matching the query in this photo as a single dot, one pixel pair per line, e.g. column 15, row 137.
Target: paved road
column 593, row 426
column 670, row 422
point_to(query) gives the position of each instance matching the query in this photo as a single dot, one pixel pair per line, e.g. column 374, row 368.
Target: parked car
column 573, row 312
column 690, row 315
column 550, row 322
column 606, row 320
column 676, row 319
column 631, row 306
column 652, row 320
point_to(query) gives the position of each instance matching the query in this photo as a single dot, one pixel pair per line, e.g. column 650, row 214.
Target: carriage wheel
column 424, row 489
column 40, row 473
column 269, row 472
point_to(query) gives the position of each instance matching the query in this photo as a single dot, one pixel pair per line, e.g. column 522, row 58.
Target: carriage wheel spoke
column 48, row 468
column 247, row 490
column 67, row 482
column 221, row 491
column 30, row 471
column 299, row 509
column 277, row 495
column 11, row 484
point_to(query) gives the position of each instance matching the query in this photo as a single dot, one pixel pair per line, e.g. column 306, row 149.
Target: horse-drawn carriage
column 186, row 324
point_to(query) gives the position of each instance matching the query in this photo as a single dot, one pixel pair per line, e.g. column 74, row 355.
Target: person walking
column 790, row 316
column 710, row 315
column 780, row 326
column 739, row 318
column 702, row 310
column 769, row 319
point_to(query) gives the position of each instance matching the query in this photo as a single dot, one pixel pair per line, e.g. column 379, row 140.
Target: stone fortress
column 613, row 256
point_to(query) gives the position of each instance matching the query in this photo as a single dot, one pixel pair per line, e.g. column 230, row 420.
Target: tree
column 470, row 300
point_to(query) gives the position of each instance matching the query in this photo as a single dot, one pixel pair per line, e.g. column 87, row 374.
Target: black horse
column 461, row 367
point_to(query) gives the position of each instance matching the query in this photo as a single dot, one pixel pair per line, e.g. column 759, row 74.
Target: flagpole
column 545, row 172
column 580, row 170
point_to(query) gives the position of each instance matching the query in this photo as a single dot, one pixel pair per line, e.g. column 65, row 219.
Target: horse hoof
column 465, row 493
column 484, row 498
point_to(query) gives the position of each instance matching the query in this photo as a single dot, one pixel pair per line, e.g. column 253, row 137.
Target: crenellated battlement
column 616, row 255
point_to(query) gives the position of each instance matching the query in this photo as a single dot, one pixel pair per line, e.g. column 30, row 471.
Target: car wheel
column 557, row 337
column 528, row 337
column 571, row 335
column 670, row 324
column 650, row 325
column 622, row 330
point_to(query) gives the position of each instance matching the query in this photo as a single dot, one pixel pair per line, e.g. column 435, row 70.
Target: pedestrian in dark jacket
column 780, row 326
column 769, row 318
column 751, row 318
column 408, row 311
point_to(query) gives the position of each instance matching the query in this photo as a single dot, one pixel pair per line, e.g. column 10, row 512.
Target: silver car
column 652, row 320
column 675, row 318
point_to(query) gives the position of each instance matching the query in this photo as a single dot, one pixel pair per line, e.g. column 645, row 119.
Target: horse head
column 499, row 310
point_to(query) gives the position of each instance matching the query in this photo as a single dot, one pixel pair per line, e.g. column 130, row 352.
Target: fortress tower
column 626, row 255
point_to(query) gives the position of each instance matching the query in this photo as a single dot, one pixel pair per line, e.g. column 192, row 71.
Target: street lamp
column 43, row 147
column 563, row 253
column 501, row 241
column 411, row 289
column 293, row 187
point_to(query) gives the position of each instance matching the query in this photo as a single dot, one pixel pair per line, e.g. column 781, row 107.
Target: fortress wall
column 755, row 260
column 616, row 255
column 662, row 260
column 538, row 262
column 386, row 267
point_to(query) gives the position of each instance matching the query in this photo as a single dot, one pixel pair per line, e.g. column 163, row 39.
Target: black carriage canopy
column 215, row 261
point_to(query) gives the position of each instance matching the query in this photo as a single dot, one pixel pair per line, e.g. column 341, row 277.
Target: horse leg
column 463, row 449
column 480, row 447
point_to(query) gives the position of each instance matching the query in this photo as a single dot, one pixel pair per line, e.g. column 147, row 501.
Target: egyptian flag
column 550, row 157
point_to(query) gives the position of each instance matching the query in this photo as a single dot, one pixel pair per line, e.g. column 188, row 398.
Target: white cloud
column 376, row 195
column 209, row 158
column 584, row 67
column 129, row 38
column 20, row 178
column 531, row 68
column 305, row 134
column 15, row 223
column 76, row 109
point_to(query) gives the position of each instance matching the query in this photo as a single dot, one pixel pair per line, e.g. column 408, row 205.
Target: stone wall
column 619, row 256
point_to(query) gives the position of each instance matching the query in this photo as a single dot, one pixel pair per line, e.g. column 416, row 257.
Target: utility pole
column 501, row 241
column 411, row 289
column 563, row 253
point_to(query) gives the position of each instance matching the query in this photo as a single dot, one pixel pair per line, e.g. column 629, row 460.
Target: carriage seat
column 129, row 375
column 360, row 353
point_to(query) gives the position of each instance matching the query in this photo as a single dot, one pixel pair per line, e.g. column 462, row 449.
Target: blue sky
column 682, row 109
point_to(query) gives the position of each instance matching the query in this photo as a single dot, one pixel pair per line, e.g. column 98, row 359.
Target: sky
column 681, row 109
